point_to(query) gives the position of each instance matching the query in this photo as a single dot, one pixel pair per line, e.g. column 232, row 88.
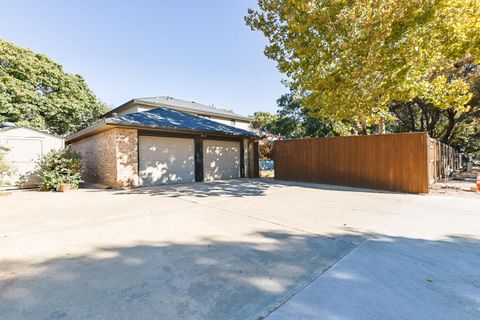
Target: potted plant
column 64, row 187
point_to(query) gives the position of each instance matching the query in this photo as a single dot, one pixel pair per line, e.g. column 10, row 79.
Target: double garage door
column 166, row 160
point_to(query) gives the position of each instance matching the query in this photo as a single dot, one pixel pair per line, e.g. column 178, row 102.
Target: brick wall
column 110, row 157
column 127, row 157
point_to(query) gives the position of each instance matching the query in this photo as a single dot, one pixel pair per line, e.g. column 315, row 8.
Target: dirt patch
column 464, row 183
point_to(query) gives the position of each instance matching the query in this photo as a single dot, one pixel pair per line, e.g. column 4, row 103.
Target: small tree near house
column 60, row 167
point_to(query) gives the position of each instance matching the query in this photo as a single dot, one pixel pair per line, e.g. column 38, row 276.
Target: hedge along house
column 162, row 145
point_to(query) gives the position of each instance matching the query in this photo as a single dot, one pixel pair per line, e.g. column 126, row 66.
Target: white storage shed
column 26, row 147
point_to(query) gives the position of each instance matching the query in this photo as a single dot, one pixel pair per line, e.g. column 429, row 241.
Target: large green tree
column 459, row 128
column 292, row 120
column 352, row 58
column 37, row 92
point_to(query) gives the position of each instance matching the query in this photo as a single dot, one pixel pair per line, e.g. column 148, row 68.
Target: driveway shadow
column 241, row 280
column 209, row 280
column 237, row 188
column 231, row 188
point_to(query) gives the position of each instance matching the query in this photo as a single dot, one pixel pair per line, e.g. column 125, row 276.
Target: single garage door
column 165, row 160
column 221, row 159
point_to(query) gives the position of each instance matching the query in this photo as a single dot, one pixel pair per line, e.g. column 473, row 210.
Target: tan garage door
column 221, row 159
column 165, row 160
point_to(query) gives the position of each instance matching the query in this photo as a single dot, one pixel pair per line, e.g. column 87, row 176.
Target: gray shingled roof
column 165, row 118
column 191, row 105
column 180, row 105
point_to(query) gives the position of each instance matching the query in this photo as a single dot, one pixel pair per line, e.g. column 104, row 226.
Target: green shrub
column 60, row 166
column 5, row 169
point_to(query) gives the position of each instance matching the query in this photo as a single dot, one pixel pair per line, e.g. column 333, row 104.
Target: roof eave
column 91, row 130
column 120, row 108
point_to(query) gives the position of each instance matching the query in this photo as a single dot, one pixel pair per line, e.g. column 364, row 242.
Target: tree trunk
column 381, row 126
column 451, row 125
column 363, row 129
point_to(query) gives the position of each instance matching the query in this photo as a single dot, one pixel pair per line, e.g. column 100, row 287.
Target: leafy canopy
column 352, row 58
column 459, row 128
column 37, row 92
column 292, row 120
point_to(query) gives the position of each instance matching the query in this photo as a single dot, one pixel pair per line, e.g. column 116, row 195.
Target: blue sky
column 193, row 50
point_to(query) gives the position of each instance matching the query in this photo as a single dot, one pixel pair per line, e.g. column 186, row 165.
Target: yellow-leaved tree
column 352, row 58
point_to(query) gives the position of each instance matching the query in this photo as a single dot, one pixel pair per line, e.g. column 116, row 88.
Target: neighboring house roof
column 165, row 119
column 180, row 105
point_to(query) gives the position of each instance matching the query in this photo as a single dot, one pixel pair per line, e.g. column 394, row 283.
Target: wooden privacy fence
column 396, row 162
column 442, row 159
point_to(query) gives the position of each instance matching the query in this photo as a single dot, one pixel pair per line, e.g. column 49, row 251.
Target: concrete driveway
column 243, row 249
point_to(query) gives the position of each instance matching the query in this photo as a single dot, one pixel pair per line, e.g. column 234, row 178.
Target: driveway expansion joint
column 272, row 222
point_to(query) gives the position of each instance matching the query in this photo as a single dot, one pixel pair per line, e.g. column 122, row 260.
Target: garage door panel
column 221, row 159
column 165, row 160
